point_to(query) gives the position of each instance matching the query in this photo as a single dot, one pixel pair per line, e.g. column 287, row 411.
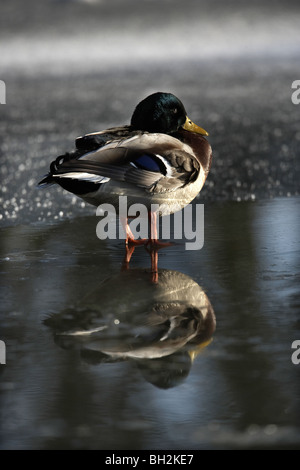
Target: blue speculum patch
column 150, row 163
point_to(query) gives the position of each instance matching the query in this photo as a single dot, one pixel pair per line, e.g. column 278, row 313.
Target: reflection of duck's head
column 168, row 371
column 141, row 321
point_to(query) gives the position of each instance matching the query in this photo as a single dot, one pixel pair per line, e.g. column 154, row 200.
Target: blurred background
column 73, row 67
column 77, row 66
column 65, row 35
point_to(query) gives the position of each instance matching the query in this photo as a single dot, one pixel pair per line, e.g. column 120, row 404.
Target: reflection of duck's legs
column 153, row 252
column 128, row 254
column 154, row 260
column 154, row 265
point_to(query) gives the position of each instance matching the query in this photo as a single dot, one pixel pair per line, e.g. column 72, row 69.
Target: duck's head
column 164, row 113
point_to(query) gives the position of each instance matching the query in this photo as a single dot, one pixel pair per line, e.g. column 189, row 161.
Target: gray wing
column 143, row 159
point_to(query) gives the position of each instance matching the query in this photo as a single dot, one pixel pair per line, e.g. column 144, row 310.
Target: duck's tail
column 46, row 181
column 48, row 178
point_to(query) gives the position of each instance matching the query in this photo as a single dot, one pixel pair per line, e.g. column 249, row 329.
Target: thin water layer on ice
column 77, row 331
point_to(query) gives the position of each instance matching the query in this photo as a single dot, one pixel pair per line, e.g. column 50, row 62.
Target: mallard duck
column 161, row 158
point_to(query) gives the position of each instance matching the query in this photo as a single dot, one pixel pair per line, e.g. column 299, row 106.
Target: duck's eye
column 175, row 110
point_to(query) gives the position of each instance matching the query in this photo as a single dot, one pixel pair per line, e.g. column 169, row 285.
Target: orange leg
column 130, row 240
column 152, row 244
column 153, row 241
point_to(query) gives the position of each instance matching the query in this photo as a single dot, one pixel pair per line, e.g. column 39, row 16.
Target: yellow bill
column 190, row 126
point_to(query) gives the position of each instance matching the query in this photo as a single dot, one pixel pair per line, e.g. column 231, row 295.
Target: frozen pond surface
column 226, row 380
column 232, row 386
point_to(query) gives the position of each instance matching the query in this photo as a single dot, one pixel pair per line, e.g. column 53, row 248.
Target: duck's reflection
column 160, row 326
